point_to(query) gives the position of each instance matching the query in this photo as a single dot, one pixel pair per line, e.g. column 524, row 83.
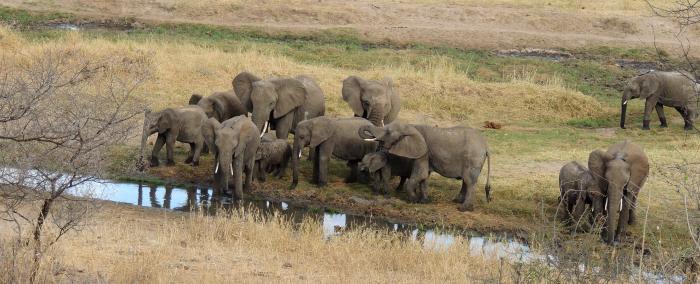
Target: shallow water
column 200, row 199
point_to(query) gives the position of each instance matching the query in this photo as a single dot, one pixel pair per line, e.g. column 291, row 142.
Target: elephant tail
column 487, row 188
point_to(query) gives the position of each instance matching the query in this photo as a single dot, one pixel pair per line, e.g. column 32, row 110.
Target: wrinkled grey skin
column 674, row 89
column 376, row 101
column 235, row 142
column 578, row 189
column 273, row 155
column 281, row 102
column 455, row 152
column 335, row 137
column 620, row 172
column 382, row 166
column 219, row 105
column 183, row 124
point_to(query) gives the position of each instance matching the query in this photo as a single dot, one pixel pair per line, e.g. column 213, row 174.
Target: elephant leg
column 460, row 196
column 324, row 156
column 411, row 185
column 156, row 148
column 420, row 172
column 316, row 167
column 190, row 156
column 352, row 177
column 624, row 217
column 284, row 125
column 633, row 205
column 662, row 117
column 248, row 170
column 312, row 153
column 648, row 106
column 687, row 122
column 469, row 179
column 170, row 147
column 260, row 171
column 400, row 187
column 237, row 178
column 578, row 212
column 423, row 186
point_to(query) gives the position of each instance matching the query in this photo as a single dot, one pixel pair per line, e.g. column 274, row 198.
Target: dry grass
column 133, row 245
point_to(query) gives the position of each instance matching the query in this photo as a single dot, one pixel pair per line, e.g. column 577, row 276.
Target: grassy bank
column 552, row 111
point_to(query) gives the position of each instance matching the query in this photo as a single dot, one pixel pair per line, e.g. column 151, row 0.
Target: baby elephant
column 578, row 188
column 382, row 166
column 273, row 155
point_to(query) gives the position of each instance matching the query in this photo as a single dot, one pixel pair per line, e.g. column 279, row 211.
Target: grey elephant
column 382, row 166
column 273, row 155
column 674, row 89
column 234, row 143
column 377, row 101
column 620, row 172
column 183, row 124
column 279, row 103
column 577, row 190
column 455, row 152
column 335, row 137
column 219, row 105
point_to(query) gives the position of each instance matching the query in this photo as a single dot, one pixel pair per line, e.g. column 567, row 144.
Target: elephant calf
column 273, row 155
column 577, row 189
column 182, row 124
column 382, row 166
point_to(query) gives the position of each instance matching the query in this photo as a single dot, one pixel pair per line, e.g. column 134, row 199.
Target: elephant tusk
column 299, row 155
column 216, row 170
column 382, row 123
column 264, row 129
column 606, row 204
column 370, row 139
column 620, row 205
column 624, row 103
column 231, row 168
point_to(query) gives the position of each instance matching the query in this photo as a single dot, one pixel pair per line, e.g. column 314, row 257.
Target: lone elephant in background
column 235, row 142
column 335, row 137
column 183, row 124
column 674, row 89
column 455, row 152
column 376, row 101
column 620, row 172
column 279, row 103
column 219, row 105
column 578, row 189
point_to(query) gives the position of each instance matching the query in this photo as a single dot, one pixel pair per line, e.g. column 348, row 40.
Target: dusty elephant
column 620, row 173
column 219, row 105
column 382, row 166
column 183, row 124
column 377, row 101
column 279, row 103
column 455, row 152
column 273, row 155
column 335, row 137
column 674, row 89
column 234, row 143
column 578, row 189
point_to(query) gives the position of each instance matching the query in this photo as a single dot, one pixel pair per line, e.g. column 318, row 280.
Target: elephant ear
column 649, row 86
column 410, row 145
column 243, row 86
column 219, row 110
column 167, row 120
column 208, row 131
column 291, row 94
column 321, row 130
column 378, row 162
column 194, row 99
column 352, row 93
column 596, row 164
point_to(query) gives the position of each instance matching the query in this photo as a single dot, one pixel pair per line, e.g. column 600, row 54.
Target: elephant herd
column 246, row 129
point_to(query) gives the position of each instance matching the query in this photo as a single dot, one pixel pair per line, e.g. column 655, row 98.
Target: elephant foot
column 663, row 122
column 154, row 162
column 188, row 161
column 424, row 200
column 170, row 163
column 294, row 184
column 645, row 125
column 466, row 208
column 195, row 163
column 458, row 199
column 688, row 127
column 631, row 220
column 663, row 126
column 350, row 179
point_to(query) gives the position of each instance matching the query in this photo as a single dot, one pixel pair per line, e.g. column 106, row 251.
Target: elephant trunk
column 369, row 132
column 376, row 116
column 623, row 109
column 296, row 153
column 613, row 207
column 223, row 171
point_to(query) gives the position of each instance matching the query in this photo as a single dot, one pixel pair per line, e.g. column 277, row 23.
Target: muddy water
column 201, row 199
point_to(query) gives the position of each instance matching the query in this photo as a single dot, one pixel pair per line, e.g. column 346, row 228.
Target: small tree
column 61, row 109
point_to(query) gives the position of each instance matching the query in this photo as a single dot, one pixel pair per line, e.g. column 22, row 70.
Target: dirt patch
column 536, row 53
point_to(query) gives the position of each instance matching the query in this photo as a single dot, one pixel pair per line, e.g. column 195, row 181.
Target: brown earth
column 466, row 24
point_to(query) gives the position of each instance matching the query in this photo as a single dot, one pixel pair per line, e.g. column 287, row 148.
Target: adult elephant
column 374, row 100
column 456, row 152
column 183, row 124
column 330, row 137
column 620, row 173
column 279, row 103
column 234, row 143
column 219, row 105
column 674, row 89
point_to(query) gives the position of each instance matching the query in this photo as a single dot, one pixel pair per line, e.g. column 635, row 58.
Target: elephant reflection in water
column 152, row 196
column 139, row 201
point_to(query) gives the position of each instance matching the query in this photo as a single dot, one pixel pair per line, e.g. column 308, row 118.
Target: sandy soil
column 459, row 25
